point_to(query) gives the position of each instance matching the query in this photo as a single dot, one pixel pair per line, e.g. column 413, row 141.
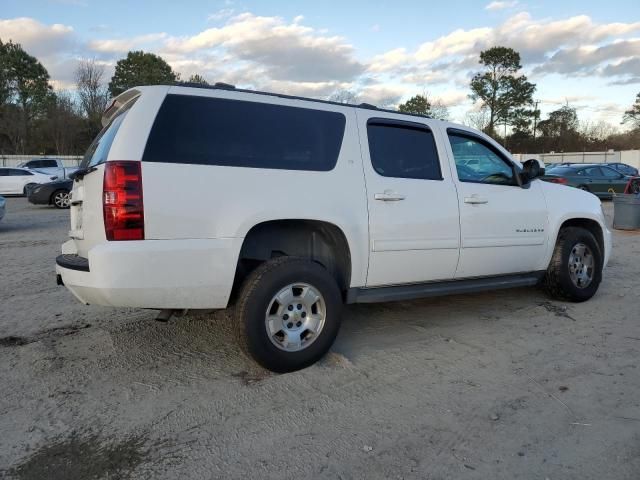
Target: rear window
column 99, row 149
column 403, row 151
column 214, row 131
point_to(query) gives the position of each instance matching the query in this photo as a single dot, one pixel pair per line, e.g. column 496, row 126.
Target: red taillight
column 561, row 180
column 122, row 201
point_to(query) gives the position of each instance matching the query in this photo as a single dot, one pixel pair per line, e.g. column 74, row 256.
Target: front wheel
column 575, row 270
column 288, row 313
column 60, row 199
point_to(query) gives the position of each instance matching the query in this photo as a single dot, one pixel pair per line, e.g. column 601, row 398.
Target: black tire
column 255, row 297
column 53, row 200
column 557, row 281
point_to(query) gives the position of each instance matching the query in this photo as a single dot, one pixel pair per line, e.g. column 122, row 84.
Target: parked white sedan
column 14, row 181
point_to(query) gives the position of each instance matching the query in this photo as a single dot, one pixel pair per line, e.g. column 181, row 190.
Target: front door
column 414, row 230
column 615, row 180
column 503, row 225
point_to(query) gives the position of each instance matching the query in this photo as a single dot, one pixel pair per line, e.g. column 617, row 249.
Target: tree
column 498, row 87
column 61, row 126
column 25, row 84
column 140, row 68
column 198, row 79
column 633, row 114
column 92, row 92
column 560, row 122
column 478, row 119
column 344, row 96
column 439, row 110
column 417, row 104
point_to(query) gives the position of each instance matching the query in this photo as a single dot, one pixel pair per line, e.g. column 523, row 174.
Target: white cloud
column 289, row 51
column 37, row 38
column 500, row 5
column 126, row 44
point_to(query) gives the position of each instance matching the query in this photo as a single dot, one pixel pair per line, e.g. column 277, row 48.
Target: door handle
column 475, row 200
column 388, row 196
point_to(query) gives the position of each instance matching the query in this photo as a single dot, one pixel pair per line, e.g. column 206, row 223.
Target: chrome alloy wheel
column 581, row 265
column 295, row 317
column 61, row 200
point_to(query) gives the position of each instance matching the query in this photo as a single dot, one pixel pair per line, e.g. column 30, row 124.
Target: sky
column 584, row 53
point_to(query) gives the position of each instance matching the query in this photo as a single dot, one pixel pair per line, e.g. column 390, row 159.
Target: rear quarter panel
column 200, row 201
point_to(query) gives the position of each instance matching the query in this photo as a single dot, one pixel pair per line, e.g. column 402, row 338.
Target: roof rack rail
column 226, row 86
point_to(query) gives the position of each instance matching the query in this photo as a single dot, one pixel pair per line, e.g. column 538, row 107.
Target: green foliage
column 24, row 80
column 500, row 89
column 195, row 78
column 417, row 104
column 633, row 114
column 140, row 68
column 560, row 122
column 24, row 91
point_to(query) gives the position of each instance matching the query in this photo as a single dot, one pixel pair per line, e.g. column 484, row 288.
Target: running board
column 436, row 289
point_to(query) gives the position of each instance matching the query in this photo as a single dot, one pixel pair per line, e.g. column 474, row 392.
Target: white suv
column 191, row 197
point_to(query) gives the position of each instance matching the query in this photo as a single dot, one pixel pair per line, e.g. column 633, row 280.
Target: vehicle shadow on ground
column 202, row 345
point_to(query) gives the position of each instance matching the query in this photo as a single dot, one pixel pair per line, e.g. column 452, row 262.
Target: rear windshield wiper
column 81, row 172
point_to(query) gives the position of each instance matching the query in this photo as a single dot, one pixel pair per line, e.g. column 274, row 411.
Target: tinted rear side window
column 403, row 151
column 99, row 149
column 214, row 131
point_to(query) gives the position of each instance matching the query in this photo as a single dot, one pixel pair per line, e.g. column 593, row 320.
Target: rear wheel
column 60, row 199
column 288, row 313
column 575, row 270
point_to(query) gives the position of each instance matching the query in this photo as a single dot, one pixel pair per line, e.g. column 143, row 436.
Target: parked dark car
column 53, row 193
column 623, row 168
column 597, row 179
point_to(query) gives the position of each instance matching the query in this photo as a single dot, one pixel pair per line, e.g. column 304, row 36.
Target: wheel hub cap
column 61, row 199
column 581, row 265
column 295, row 317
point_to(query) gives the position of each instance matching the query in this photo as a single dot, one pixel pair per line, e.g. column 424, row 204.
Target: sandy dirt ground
column 507, row 384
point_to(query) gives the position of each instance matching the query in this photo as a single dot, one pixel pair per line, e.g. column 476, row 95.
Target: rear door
column 19, row 178
column 503, row 225
column 414, row 230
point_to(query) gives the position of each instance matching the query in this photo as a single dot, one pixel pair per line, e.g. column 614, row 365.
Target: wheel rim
column 61, row 199
column 581, row 265
column 295, row 317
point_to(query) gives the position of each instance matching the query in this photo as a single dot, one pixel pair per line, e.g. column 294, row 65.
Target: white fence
column 630, row 157
column 15, row 160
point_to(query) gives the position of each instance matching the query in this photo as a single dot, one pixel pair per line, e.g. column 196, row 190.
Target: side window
column 4, row 172
column 403, row 151
column 609, row 172
column 479, row 163
column 593, row 172
column 19, row 173
column 48, row 164
column 235, row 133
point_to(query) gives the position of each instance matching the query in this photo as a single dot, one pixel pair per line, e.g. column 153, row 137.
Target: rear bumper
column 161, row 274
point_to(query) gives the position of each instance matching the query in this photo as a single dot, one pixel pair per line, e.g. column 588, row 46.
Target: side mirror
column 531, row 169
